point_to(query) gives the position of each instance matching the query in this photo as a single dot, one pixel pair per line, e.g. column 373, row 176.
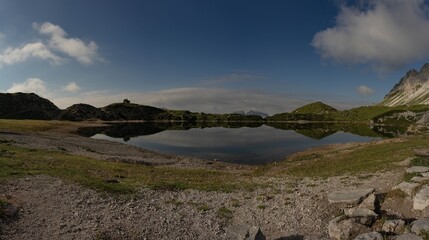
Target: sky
column 214, row 56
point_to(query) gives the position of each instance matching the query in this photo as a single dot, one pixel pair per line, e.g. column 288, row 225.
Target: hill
column 412, row 89
column 315, row 108
column 26, row 106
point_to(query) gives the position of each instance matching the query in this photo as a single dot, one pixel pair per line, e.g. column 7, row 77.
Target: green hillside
column 315, row 108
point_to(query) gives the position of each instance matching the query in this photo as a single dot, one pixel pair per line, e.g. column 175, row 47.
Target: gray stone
column 343, row 227
column 422, row 152
column 406, row 187
column 364, row 216
column 244, row 232
column 417, row 169
column 420, row 226
column 370, row 236
column 369, row 202
column 404, row 163
column 407, row 236
column 420, row 179
column 421, row 199
column 425, row 174
column 394, row 226
column 350, row 197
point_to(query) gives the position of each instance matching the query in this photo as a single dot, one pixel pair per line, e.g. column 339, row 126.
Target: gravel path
column 50, row 208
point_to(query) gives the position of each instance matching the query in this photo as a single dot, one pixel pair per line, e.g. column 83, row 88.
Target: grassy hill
column 315, row 108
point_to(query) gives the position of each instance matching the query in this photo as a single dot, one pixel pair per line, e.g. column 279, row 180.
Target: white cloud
column 231, row 78
column 364, row 90
column 71, row 87
column 85, row 53
column 386, row 34
column 31, row 85
column 36, row 50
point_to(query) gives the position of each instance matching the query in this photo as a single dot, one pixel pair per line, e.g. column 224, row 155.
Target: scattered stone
column 370, row 236
column 394, row 226
column 365, row 216
column 421, row 199
column 420, row 179
column 420, row 226
column 244, row 232
column 369, row 202
column 404, row 163
column 425, row 174
column 423, row 152
column 417, row 169
column 406, row 187
column 343, row 227
column 350, row 197
column 407, row 236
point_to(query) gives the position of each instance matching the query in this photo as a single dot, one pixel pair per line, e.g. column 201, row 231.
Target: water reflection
column 250, row 144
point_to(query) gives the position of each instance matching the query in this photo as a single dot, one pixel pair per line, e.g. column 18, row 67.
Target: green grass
column 30, row 125
column 224, row 213
column 361, row 159
column 98, row 174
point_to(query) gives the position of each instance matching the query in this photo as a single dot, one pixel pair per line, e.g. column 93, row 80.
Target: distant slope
column 315, row 108
column 131, row 111
column 80, row 112
column 26, row 106
column 412, row 89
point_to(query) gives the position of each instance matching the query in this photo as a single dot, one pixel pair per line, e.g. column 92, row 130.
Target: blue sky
column 211, row 56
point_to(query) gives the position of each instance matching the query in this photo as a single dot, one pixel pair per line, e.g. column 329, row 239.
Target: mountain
column 315, row 108
column 252, row 113
column 412, row 89
column 80, row 112
column 26, row 106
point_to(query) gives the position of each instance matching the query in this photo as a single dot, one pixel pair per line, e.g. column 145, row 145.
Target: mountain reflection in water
column 251, row 143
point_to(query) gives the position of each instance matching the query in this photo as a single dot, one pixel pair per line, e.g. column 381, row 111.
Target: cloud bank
column 387, row 34
column 56, row 48
column 31, row 85
column 71, row 87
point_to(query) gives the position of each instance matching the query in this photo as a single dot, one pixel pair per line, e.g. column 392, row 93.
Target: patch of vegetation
column 174, row 202
column 356, row 159
column 204, row 208
column 93, row 173
column 30, row 125
column 419, row 161
column 315, row 108
column 224, row 213
column 262, row 206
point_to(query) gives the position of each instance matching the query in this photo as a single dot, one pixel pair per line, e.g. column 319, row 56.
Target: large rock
column 421, row 199
column 417, row 169
column 407, row 236
column 370, row 236
column 350, row 197
column 365, row 216
column 344, row 227
column 418, row 179
column 422, row 152
column 369, row 202
column 420, row 226
column 244, row 232
column 406, row 187
column 394, row 226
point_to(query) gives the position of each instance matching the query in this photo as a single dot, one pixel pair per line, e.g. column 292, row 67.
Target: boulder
column 422, row 152
column 417, row 169
column 350, row 197
column 407, row 236
column 370, row 236
column 418, row 179
column 369, row 202
column 365, row 216
column 394, row 226
column 420, row 226
column 421, row 199
column 425, row 174
column 406, row 187
column 344, row 227
column 244, row 232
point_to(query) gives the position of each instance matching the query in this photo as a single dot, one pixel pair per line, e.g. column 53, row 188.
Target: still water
column 243, row 145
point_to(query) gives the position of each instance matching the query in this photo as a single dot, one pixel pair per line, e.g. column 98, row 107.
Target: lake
column 243, row 145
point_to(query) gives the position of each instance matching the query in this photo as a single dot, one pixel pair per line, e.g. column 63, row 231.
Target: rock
column 343, row 227
column 420, row 226
column 350, row 197
column 422, row 152
column 406, row 187
column 365, row 216
column 369, row 202
column 417, row 169
column 421, row 199
column 425, row 174
column 244, row 232
column 9, row 211
column 394, row 226
column 407, row 236
column 404, row 163
column 370, row 236
column 420, row 179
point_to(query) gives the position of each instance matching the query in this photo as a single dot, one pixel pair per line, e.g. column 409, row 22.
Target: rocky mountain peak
column 412, row 89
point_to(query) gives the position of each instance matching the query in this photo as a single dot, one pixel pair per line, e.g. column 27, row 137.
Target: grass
column 31, row 125
column 224, row 213
column 356, row 159
column 97, row 174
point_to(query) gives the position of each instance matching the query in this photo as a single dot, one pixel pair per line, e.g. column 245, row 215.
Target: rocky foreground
column 43, row 207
